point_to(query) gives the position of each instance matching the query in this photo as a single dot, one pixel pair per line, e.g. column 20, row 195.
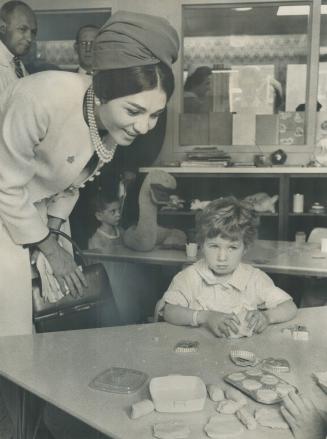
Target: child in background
column 107, row 211
column 219, row 291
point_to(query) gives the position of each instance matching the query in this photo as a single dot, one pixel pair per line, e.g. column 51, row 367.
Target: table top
column 284, row 257
column 59, row 366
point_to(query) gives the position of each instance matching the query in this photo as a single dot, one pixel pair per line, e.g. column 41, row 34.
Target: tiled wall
column 234, row 49
column 60, row 53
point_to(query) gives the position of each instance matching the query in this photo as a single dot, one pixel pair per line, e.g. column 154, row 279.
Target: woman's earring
column 97, row 101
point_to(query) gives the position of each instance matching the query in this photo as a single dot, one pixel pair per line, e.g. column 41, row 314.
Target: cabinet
column 210, row 183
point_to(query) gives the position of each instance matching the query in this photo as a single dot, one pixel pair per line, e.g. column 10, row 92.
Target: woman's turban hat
column 130, row 39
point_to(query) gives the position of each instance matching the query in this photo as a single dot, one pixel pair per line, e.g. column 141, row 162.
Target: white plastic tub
column 178, row 393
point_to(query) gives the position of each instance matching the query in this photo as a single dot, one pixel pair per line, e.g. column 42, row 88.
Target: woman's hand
column 70, row 278
column 257, row 320
column 303, row 417
column 220, row 323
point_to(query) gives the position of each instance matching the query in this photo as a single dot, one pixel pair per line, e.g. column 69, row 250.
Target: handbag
column 97, row 294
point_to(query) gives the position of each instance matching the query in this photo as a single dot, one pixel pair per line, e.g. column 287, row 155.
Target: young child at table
column 220, row 292
column 107, row 210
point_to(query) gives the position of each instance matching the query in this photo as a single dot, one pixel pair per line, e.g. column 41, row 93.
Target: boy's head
column 107, row 209
column 225, row 229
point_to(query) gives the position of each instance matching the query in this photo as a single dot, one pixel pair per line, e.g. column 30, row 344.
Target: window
column 54, row 46
column 245, row 74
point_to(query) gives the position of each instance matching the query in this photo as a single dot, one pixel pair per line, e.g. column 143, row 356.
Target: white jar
column 298, row 203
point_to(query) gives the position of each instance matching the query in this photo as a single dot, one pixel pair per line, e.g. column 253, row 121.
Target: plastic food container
column 178, row 393
column 119, row 380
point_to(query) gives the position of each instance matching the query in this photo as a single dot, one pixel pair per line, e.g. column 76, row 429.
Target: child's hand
column 257, row 320
column 221, row 323
column 303, row 417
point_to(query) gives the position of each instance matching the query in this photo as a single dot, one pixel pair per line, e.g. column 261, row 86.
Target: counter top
column 236, row 170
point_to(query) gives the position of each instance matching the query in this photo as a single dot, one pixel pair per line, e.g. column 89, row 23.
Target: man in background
column 83, row 47
column 18, row 30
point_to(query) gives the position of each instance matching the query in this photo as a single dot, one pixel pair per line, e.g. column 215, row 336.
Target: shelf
column 307, row 214
column 192, row 213
column 281, row 225
column 290, row 170
column 176, row 212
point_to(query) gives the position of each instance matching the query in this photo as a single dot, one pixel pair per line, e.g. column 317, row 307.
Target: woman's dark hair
column 229, row 218
column 197, row 78
column 117, row 83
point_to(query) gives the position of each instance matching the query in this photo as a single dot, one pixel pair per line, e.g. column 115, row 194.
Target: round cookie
column 251, row 384
column 269, row 380
column 267, row 395
column 254, row 372
column 237, row 376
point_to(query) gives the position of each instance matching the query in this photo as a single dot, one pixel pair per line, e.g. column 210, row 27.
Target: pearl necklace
column 105, row 155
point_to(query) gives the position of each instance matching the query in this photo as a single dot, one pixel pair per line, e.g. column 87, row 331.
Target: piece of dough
column 171, row 430
column 236, row 396
column 227, row 406
column 223, row 427
column 246, row 418
column 243, row 330
column 142, row 408
column 267, row 395
column 269, row 379
column 251, row 384
column 271, row 418
column 254, row 372
column 215, row 392
column 237, row 376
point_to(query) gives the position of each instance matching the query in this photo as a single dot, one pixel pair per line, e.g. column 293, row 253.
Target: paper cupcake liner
column 243, row 358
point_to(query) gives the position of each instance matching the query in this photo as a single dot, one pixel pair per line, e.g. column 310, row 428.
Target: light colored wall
column 49, row 5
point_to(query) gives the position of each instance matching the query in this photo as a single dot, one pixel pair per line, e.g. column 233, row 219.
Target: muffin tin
column 262, row 386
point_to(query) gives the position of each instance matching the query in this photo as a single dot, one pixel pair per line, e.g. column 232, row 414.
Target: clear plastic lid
column 119, row 380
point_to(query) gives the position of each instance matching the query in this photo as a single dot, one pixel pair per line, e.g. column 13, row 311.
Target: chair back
column 317, row 234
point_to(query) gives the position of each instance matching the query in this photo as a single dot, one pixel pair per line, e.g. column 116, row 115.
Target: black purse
column 61, row 315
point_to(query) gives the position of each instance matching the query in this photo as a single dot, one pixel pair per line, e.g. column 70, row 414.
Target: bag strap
column 73, row 243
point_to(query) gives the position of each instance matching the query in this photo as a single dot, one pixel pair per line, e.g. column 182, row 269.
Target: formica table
column 283, row 257
column 58, row 368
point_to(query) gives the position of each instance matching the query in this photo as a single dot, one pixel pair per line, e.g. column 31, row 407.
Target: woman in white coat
column 57, row 130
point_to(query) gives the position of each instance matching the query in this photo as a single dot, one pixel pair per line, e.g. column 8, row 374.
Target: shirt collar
column 6, row 56
column 239, row 279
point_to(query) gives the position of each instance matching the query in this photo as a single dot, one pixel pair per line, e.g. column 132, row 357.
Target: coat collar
column 6, row 56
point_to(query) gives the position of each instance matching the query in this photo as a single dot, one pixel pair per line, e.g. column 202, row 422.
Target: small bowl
column 275, row 365
column 243, row 358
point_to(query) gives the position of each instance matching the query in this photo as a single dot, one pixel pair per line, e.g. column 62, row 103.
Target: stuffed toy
column 146, row 234
column 261, row 202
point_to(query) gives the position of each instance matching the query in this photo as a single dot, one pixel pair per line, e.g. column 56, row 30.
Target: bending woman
column 57, row 130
